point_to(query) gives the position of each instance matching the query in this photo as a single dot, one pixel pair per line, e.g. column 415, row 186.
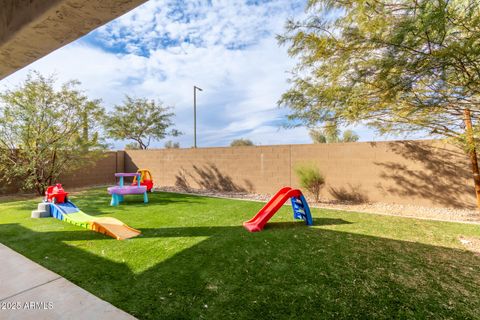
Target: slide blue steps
column 301, row 210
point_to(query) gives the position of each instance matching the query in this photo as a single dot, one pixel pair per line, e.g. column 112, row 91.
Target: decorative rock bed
column 420, row 212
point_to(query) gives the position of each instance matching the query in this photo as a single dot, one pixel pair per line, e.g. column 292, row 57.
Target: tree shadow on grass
column 299, row 223
column 211, row 230
column 294, row 272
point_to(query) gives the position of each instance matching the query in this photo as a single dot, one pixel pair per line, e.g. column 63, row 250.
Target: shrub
column 241, row 143
column 172, row 145
column 311, row 179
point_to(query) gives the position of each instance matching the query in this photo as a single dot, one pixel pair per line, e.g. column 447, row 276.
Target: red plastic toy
column 56, row 194
column 145, row 179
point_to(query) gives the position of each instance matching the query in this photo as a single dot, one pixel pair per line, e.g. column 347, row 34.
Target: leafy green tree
column 399, row 66
column 241, row 143
column 140, row 120
column 317, row 136
column 132, row 146
column 172, row 145
column 91, row 115
column 349, row 136
column 43, row 132
column 331, row 134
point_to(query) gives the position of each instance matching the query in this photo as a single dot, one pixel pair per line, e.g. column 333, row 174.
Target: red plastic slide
column 261, row 218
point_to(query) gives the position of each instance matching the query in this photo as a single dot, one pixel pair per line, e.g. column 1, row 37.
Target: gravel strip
column 411, row 211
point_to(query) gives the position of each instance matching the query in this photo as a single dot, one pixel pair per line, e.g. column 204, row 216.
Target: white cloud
column 229, row 23
column 161, row 49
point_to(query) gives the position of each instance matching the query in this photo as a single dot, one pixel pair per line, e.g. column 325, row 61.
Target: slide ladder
column 301, row 210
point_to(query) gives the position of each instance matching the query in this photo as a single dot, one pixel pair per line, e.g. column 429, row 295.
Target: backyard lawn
column 195, row 260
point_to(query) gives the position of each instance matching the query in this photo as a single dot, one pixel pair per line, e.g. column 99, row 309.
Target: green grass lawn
column 195, row 260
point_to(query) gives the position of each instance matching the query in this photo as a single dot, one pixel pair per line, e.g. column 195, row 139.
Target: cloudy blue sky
column 164, row 47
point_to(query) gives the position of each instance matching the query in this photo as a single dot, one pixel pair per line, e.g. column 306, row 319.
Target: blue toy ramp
column 59, row 209
column 301, row 210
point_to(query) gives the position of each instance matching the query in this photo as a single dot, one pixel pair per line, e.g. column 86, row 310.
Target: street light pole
column 195, row 88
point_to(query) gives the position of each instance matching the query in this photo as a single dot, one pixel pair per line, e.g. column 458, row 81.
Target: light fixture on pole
column 195, row 88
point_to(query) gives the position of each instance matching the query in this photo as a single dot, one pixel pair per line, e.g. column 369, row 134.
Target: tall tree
column 140, row 120
column 241, row 143
column 172, row 145
column 331, row 134
column 400, row 66
column 349, row 136
column 317, row 136
column 132, row 146
column 42, row 132
column 91, row 115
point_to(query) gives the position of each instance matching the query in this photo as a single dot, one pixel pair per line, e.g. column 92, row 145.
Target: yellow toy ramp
column 114, row 228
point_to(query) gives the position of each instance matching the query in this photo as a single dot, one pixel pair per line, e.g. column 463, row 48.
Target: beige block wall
column 228, row 169
column 102, row 172
column 430, row 173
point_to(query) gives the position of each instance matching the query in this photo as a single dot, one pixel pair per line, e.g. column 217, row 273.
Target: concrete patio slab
column 29, row 291
column 18, row 273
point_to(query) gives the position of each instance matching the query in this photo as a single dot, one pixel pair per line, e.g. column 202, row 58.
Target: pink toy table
column 119, row 191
